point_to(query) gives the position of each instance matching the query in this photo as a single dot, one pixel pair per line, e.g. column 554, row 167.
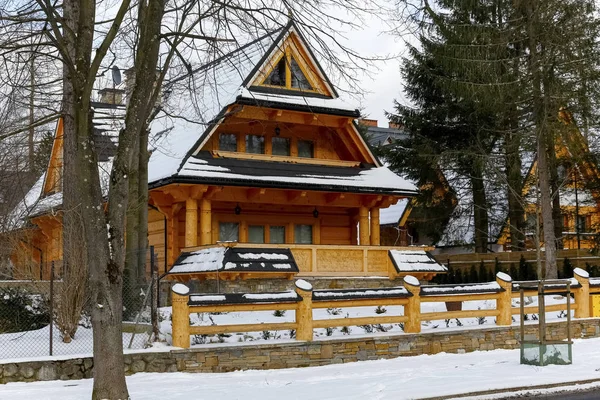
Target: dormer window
column 288, row 75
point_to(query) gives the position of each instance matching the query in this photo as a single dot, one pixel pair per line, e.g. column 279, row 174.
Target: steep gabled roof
column 234, row 77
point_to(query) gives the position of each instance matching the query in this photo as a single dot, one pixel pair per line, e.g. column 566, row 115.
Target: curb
column 512, row 389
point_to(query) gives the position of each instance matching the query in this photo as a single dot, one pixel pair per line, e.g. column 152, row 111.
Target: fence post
column 154, row 291
column 304, row 312
column 582, row 294
column 504, row 299
column 180, row 320
column 413, row 309
column 51, row 343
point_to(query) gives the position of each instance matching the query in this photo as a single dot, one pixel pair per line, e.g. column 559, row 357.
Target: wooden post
column 205, row 222
column 180, row 319
column 304, row 312
column 504, row 299
column 191, row 222
column 363, row 225
column 375, row 241
column 413, row 309
column 353, row 230
column 582, row 294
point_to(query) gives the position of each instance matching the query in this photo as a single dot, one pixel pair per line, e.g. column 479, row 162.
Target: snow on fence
column 303, row 300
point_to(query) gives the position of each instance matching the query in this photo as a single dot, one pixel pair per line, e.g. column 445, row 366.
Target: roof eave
column 278, row 185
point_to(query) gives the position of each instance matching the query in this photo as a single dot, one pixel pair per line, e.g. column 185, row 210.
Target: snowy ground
column 31, row 344
column 400, row 378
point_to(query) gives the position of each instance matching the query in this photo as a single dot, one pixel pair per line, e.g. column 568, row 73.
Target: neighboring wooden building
column 579, row 192
column 279, row 184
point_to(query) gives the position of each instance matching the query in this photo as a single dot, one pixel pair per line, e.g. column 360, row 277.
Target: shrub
column 22, row 311
column 278, row 313
column 380, row 310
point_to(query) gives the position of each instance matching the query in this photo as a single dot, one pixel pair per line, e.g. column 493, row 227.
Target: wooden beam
column 371, row 201
column 178, row 192
column 288, row 159
column 310, row 119
column 254, row 193
column 212, row 191
column 363, row 222
column 334, row 197
column 191, row 222
column 375, row 231
column 295, row 195
column 293, row 117
column 197, row 191
column 205, row 222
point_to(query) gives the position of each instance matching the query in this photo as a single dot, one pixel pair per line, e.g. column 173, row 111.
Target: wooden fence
column 303, row 300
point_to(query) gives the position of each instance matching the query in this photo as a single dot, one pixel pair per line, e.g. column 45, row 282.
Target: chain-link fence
column 51, row 316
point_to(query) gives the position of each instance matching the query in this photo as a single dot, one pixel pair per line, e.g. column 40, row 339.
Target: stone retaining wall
column 223, row 358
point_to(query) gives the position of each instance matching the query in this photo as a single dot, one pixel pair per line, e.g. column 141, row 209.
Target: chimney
column 111, row 96
column 369, row 122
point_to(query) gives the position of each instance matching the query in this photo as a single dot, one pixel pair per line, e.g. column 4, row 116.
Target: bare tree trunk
column 143, row 203
column 82, row 186
column 554, row 186
column 539, row 100
column 516, row 213
column 479, row 208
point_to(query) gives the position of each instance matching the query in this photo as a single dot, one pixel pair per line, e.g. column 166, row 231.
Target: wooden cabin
column 579, row 192
column 278, row 184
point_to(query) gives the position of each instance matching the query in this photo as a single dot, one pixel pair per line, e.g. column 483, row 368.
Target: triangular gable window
column 278, row 75
column 299, row 80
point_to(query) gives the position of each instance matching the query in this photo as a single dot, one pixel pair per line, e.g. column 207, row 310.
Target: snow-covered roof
column 393, row 214
column 207, row 169
column 415, row 261
column 235, row 259
column 107, row 121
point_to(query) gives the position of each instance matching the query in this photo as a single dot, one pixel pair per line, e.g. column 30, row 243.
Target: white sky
column 382, row 85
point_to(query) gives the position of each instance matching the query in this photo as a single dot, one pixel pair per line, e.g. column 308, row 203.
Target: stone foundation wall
column 223, row 358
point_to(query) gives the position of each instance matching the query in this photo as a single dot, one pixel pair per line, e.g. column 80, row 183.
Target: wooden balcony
column 323, row 261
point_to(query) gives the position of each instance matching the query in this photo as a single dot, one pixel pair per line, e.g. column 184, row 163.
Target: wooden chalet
column 579, row 193
column 278, row 184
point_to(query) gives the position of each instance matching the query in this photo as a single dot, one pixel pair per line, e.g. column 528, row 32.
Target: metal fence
column 51, row 317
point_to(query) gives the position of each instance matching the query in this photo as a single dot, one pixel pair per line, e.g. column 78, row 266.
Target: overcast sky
column 384, row 83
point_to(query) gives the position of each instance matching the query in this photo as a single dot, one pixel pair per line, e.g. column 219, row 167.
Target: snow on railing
column 303, row 300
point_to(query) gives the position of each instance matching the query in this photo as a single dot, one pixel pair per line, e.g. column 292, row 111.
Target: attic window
column 278, row 76
column 299, row 80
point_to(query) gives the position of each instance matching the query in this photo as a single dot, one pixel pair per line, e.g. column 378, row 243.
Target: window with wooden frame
column 287, row 73
column 303, row 234
column 255, row 144
column 256, row 234
column 280, row 146
column 276, row 234
column 228, row 142
column 229, row 232
column 581, row 223
column 306, row 149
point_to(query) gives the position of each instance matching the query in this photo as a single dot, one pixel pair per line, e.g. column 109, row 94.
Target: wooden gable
column 288, row 94
column 52, row 181
column 290, row 66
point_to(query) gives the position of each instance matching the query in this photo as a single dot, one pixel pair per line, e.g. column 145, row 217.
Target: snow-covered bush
column 22, row 311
